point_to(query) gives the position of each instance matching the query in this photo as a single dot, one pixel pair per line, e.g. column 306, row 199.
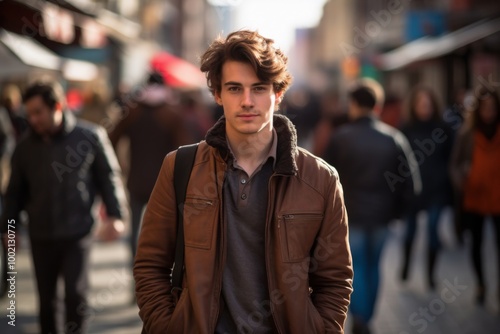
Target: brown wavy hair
column 475, row 121
column 269, row 63
column 411, row 114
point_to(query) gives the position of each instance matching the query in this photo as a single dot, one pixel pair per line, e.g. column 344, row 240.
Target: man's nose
column 247, row 98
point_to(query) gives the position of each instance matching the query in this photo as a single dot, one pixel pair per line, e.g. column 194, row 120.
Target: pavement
column 407, row 308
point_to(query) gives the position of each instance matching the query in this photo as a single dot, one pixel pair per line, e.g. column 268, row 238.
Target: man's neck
column 56, row 128
column 251, row 150
column 360, row 113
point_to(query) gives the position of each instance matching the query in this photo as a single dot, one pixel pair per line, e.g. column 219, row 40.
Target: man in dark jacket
column 265, row 227
column 379, row 176
column 154, row 128
column 57, row 169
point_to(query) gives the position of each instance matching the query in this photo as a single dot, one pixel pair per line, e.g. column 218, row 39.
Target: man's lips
column 247, row 116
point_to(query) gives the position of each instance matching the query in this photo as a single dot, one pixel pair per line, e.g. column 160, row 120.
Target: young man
column 57, row 169
column 266, row 246
column 379, row 176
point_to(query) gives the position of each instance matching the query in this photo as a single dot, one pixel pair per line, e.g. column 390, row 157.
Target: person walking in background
column 380, row 178
column 333, row 115
column 431, row 141
column 11, row 107
column 12, row 126
column 153, row 128
column 57, row 170
column 475, row 166
column 265, row 227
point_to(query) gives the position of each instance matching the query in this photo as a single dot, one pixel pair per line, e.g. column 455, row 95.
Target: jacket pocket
column 317, row 320
column 200, row 217
column 297, row 233
column 178, row 321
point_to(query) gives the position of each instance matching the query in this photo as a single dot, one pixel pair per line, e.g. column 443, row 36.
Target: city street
column 403, row 308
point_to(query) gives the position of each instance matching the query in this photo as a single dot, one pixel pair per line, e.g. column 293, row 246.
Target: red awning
column 177, row 72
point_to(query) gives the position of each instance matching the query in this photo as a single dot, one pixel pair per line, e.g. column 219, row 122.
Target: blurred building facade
column 446, row 44
column 110, row 40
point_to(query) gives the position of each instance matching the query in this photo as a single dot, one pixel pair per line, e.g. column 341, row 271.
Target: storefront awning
column 25, row 54
column 177, row 72
column 432, row 47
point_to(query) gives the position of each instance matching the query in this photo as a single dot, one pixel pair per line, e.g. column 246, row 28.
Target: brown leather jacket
column 308, row 259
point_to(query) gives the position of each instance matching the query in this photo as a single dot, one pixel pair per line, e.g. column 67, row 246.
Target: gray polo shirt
column 245, row 295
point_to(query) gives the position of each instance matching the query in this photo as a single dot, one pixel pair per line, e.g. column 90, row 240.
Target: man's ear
column 279, row 97
column 217, row 98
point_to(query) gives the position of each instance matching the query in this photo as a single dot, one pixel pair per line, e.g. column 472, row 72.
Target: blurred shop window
column 58, row 24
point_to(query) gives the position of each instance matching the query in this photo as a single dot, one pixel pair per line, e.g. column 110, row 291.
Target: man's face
column 248, row 103
column 40, row 116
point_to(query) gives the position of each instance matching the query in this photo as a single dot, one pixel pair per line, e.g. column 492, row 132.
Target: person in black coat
column 380, row 179
column 58, row 168
column 431, row 140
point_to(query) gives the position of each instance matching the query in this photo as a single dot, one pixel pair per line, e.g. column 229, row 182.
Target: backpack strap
column 184, row 161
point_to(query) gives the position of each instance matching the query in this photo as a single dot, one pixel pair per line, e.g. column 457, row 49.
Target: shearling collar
column 287, row 143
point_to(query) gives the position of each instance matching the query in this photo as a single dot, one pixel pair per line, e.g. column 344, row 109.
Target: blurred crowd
column 454, row 152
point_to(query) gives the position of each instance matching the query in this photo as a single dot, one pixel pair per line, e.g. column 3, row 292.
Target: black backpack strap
column 184, row 161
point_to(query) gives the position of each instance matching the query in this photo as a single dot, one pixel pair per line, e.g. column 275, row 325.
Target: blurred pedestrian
column 95, row 103
column 302, row 107
column 154, row 128
column 475, row 174
column 265, row 227
column 57, row 169
column 333, row 115
column 197, row 114
column 13, row 125
column 431, row 140
column 379, row 177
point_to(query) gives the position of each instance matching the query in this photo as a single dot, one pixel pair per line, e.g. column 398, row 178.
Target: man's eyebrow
column 234, row 83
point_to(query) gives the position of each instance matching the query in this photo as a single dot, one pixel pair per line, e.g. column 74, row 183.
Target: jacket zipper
column 201, row 200
column 302, row 215
column 270, row 209
column 222, row 254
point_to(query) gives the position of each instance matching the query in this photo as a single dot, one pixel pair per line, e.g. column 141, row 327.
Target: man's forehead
column 35, row 102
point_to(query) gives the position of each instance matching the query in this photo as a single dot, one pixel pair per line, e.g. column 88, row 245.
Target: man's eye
column 233, row 89
column 260, row 88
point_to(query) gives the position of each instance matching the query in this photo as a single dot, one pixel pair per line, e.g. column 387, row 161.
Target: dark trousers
column 474, row 223
column 68, row 259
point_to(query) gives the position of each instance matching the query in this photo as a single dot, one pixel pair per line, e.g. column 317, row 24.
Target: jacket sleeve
column 15, row 196
column 107, row 176
column 332, row 280
column 155, row 253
